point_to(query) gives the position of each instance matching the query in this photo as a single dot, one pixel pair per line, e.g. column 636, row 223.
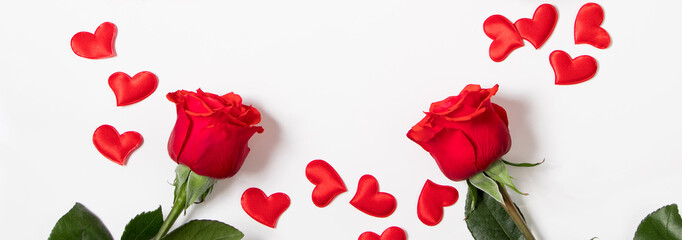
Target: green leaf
column 472, row 200
column 144, row 226
column 498, row 172
column 181, row 175
column 204, row 230
column 197, row 187
column 487, row 185
column 79, row 223
column 663, row 224
column 522, row 164
column 489, row 220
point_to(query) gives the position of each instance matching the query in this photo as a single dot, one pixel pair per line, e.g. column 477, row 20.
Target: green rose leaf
column 79, row 223
column 205, row 230
column 522, row 164
column 487, row 185
column 498, row 172
column 663, row 224
column 144, row 226
column 489, row 220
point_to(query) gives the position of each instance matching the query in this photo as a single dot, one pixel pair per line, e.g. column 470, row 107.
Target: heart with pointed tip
column 569, row 71
column 131, row 90
column 95, row 46
column 588, row 30
column 538, row 29
column 328, row 183
column 369, row 200
column 264, row 209
column 113, row 146
column 504, row 35
column 432, row 200
column 391, row 233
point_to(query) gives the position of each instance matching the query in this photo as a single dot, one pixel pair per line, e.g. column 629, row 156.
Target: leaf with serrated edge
column 79, row 223
column 197, row 186
column 663, row 224
column 498, row 172
column 523, row 164
column 487, row 185
column 204, row 230
column 144, row 226
column 490, row 221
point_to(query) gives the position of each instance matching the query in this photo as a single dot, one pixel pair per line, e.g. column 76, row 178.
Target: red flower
column 464, row 133
column 212, row 132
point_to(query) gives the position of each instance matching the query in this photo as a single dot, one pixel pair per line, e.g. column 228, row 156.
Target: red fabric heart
column 328, row 183
column 113, row 146
column 432, row 200
column 131, row 90
column 264, row 209
column 95, row 46
column 569, row 71
column 588, row 29
column 538, row 29
column 369, row 200
column 504, row 35
column 391, row 233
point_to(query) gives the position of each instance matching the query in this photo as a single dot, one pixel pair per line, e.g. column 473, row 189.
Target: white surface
column 341, row 81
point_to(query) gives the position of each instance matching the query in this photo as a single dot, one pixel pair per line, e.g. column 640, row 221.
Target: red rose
column 464, row 133
column 212, row 132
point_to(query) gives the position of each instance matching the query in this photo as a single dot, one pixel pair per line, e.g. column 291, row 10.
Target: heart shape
column 131, row 90
column 328, row 183
column 588, row 30
column 432, row 199
column 569, row 71
column 264, row 209
column 504, row 35
column 113, row 146
column 95, row 46
column 538, row 29
column 369, row 200
column 391, row 233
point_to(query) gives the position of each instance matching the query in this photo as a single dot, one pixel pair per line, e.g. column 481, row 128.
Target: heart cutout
column 504, row 35
column 328, row 183
column 113, row 146
column 131, row 90
column 432, row 199
column 538, row 29
column 95, row 46
column 569, row 71
column 391, row 233
column 588, row 30
column 369, row 200
column 264, row 209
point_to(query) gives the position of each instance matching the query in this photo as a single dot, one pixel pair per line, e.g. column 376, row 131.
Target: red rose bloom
column 464, row 133
column 212, row 132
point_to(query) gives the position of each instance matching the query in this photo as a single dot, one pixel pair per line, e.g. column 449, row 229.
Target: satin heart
column 328, row 183
column 504, row 35
column 569, row 71
column 131, row 90
column 588, row 29
column 392, row 233
column 113, row 146
column 538, row 29
column 95, row 46
column 264, row 209
column 432, row 199
column 369, row 200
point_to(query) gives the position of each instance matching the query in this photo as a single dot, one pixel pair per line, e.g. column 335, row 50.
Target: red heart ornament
column 432, row 200
column 569, row 71
column 264, row 209
column 369, row 200
column 131, row 90
column 328, row 183
column 113, row 146
column 504, row 35
column 391, row 233
column 538, row 29
column 588, row 30
column 95, row 46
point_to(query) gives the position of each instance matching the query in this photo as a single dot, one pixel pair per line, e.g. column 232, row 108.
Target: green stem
column 178, row 207
column 514, row 213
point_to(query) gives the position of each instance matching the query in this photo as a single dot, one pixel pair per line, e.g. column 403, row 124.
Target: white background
column 341, row 81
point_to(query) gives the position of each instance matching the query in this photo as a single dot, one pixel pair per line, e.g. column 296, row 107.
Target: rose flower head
column 465, row 134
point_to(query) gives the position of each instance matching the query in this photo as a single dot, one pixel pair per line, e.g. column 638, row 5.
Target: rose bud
column 465, row 134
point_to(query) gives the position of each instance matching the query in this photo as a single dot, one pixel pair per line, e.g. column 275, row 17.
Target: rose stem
column 178, row 206
column 514, row 213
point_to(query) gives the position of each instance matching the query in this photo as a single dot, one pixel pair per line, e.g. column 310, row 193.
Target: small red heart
column 588, row 28
column 264, row 209
column 328, row 183
column 95, row 46
column 131, row 90
column 391, row 233
column 538, row 29
column 369, row 200
column 113, row 146
column 432, row 200
column 504, row 35
column 569, row 71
